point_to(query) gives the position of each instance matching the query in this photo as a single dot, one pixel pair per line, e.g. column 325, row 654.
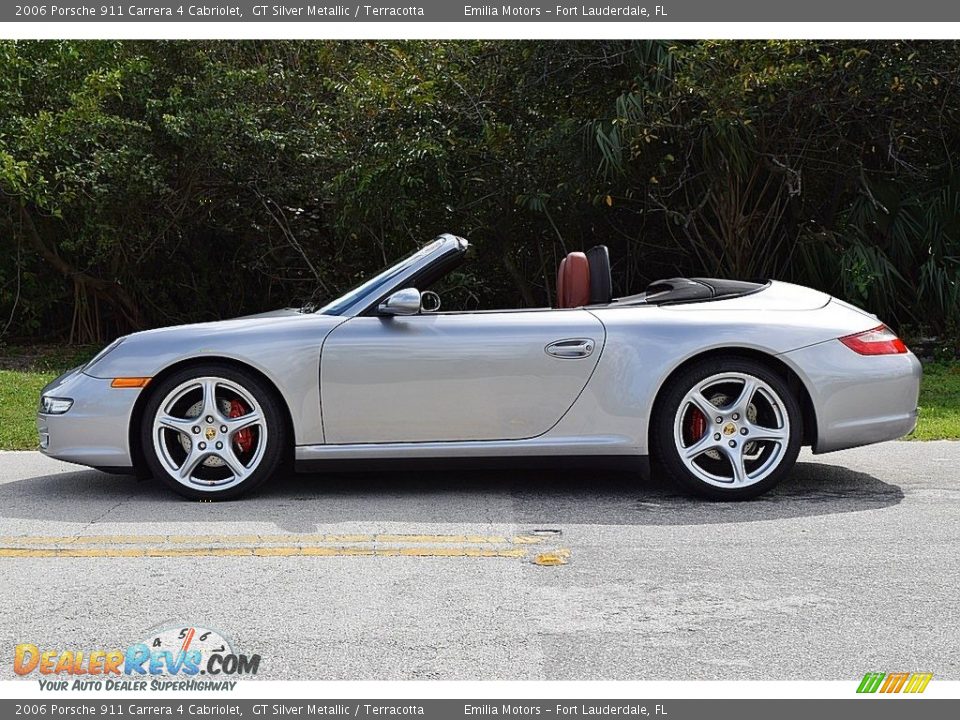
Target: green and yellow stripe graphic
column 894, row 682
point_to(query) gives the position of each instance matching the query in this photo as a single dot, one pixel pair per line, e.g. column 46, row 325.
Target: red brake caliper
column 698, row 424
column 244, row 438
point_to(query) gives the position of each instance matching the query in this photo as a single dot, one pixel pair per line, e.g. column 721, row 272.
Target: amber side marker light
column 129, row 382
column 880, row 340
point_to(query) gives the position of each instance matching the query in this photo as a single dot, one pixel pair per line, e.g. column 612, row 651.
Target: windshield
column 374, row 285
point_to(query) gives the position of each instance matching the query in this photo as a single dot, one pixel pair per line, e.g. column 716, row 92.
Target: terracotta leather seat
column 573, row 281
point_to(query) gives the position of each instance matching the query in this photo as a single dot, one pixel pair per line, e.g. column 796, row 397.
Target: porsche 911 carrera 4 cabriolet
column 719, row 382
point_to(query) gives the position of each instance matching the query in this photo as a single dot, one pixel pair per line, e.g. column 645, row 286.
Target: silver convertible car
column 719, row 382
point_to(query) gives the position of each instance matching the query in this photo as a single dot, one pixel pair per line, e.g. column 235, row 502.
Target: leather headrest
column 573, row 281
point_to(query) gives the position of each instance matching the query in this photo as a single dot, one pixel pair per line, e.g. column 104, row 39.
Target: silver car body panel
column 94, row 431
column 645, row 345
column 454, row 377
column 880, row 404
column 283, row 346
column 493, row 383
column 544, row 446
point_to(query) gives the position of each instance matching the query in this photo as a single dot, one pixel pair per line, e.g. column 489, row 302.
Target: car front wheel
column 727, row 429
column 212, row 432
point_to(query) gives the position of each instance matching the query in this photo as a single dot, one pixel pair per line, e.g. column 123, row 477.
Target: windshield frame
column 371, row 291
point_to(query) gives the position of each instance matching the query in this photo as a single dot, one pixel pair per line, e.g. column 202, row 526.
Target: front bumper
column 858, row 399
column 95, row 430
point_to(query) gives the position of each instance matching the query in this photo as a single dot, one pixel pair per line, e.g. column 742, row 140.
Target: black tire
column 277, row 436
column 664, row 446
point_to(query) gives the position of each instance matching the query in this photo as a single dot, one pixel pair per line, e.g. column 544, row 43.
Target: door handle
column 571, row 349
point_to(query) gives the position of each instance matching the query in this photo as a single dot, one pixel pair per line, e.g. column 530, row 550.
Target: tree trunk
column 526, row 292
column 89, row 291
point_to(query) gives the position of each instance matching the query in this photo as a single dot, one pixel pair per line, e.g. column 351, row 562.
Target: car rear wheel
column 212, row 432
column 727, row 429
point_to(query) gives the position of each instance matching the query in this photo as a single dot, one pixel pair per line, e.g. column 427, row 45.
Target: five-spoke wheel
column 727, row 429
column 212, row 432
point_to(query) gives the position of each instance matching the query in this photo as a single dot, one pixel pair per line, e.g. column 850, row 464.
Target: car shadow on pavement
column 534, row 498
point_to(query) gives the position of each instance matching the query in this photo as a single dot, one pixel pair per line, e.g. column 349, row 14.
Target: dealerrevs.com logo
column 170, row 658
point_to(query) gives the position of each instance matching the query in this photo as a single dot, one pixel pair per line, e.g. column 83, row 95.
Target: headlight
column 54, row 405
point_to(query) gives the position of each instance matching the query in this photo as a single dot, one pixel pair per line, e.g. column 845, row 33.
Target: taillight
column 879, row 341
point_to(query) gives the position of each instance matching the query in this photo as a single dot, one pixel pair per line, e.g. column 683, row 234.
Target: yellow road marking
column 252, row 539
column 472, row 539
column 276, row 545
column 553, row 557
column 278, row 551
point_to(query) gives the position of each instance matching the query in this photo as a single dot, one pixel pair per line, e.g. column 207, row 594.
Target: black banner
column 870, row 708
column 447, row 11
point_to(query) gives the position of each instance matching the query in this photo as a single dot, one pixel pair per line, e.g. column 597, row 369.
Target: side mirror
column 402, row 302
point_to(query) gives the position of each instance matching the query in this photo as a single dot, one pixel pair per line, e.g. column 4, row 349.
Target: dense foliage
column 148, row 183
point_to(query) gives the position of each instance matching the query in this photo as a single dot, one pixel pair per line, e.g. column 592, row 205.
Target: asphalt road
column 850, row 566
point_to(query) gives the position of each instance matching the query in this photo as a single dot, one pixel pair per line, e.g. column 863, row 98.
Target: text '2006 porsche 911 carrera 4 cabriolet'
column 720, row 382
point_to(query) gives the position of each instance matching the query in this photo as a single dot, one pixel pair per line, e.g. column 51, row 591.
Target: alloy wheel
column 732, row 430
column 209, row 433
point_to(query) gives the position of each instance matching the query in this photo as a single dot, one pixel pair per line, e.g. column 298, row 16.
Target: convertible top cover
column 675, row 291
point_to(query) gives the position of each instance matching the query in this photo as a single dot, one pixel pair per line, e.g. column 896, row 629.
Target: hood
column 245, row 338
column 213, row 327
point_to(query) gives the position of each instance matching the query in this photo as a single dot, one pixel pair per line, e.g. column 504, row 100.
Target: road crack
column 102, row 515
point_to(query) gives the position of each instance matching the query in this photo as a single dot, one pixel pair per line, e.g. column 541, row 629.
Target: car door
column 455, row 377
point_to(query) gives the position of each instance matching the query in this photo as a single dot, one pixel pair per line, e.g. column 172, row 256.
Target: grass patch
column 25, row 370
column 939, row 403
column 19, row 397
